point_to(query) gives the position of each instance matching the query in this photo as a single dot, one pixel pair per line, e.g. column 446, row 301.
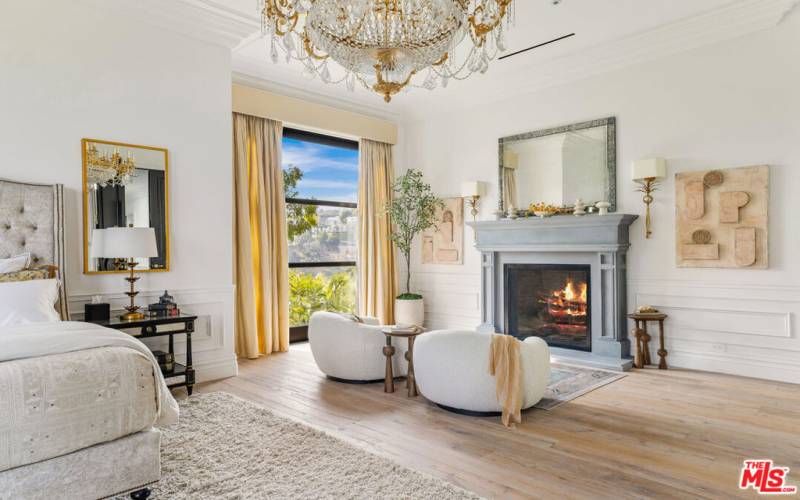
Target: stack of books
column 163, row 310
column 165, row 360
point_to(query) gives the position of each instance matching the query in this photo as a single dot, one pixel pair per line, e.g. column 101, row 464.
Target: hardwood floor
column 665, row 434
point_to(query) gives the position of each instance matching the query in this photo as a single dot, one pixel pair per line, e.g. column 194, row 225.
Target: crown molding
column 250, row 73
column 729, row 22
column 204, row 20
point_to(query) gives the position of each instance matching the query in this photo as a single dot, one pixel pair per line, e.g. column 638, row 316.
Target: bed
column 79, row 404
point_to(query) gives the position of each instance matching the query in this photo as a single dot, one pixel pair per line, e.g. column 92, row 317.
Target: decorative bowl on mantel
column 543, row 210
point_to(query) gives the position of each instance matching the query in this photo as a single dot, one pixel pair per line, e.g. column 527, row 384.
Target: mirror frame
column 85, row 190
column 611, row 154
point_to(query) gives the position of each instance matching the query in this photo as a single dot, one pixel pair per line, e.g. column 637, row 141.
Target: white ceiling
column 609, row 34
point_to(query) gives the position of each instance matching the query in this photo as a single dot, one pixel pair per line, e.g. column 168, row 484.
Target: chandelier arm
column 481, row 29
column 283, row 15
column 310, row 49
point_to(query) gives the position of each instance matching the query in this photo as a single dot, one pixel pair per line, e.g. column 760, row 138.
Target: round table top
column 656, row 316
column 402, row 332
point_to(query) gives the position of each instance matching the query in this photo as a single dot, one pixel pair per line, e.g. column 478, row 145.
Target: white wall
column 721, row 106
column 69, row 71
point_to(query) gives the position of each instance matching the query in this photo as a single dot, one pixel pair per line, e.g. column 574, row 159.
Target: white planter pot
column 409, row 312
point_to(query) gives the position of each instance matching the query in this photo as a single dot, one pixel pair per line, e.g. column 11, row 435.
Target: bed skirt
column 127, row 464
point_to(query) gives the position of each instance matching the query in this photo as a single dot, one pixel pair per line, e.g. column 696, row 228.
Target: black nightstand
column 149, row 329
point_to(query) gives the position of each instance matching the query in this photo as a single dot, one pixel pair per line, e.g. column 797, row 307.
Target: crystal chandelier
column 108, row 169
column 383, row 44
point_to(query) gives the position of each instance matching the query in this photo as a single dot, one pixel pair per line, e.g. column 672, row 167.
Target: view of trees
column 300, row 218
column 318, row 234
column 323, row 291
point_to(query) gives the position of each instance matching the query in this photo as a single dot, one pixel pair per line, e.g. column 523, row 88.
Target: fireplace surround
column 561, row 250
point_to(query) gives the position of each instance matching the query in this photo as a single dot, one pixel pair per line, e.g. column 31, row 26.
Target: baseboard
column 215, row 370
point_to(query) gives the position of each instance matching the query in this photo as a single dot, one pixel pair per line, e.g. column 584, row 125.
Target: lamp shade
column 472, row 188
column 652, row 168
column 124, row 242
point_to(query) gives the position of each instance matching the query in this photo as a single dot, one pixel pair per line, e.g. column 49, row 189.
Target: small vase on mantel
column 602, row 206
column 580, row 207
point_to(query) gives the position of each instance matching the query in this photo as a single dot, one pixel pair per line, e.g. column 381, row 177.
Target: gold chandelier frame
column 282, row 19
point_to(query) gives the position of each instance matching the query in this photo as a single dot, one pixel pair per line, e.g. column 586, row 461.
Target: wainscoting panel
column 213, row 353
column 748, row 330
column 452, row 299
column 744, row 330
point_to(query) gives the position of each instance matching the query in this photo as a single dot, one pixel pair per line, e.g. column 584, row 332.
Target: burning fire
column 569, row 293
column 568, row 304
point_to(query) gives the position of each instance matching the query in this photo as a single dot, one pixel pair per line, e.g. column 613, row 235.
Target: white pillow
column 15, row 263
column 23, row 302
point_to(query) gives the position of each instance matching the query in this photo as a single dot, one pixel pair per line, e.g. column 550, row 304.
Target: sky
column 329, row 173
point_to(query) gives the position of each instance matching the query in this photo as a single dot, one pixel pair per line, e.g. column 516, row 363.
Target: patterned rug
column 226, row 447
column 567, row 382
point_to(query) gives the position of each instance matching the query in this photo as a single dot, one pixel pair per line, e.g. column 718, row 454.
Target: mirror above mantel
column 559, row 165
column 125, row 185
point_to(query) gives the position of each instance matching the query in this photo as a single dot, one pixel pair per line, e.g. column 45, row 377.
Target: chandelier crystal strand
column 384, row 44
column 108, row 169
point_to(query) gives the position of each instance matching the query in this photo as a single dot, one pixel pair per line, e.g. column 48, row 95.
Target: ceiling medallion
column 384, row 44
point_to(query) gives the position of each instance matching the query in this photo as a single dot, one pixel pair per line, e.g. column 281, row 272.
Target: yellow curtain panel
column 261, row 265
column 377, row 273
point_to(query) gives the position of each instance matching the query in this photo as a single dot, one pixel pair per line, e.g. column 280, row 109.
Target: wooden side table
column 389, row 350
column 642, row 338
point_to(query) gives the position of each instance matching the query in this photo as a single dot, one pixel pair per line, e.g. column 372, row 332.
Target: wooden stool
column 642, row 355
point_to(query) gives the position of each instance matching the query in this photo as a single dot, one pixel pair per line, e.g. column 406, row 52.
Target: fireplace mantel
column 588, row 233
column 600, row 241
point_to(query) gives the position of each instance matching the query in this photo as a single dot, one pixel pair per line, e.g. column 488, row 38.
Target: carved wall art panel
column 444, row 244
column 721, row 218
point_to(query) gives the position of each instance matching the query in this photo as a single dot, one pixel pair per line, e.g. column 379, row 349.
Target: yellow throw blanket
column 506, row 365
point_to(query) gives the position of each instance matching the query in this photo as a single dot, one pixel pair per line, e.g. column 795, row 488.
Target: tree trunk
column 408, row 272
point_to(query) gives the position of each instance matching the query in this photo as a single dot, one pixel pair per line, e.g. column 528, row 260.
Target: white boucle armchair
column 348, row 351
column 452, row 370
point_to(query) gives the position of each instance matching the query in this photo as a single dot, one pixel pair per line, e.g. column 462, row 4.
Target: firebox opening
column 551, row 301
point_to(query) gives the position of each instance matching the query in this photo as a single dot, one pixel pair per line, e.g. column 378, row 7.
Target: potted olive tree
column 412, row 210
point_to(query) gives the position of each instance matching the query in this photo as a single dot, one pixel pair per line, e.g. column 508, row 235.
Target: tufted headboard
column 32, row 220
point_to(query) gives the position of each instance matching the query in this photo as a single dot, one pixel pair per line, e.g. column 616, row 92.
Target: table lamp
column 472, row 191
column 647, row 173
column 129, row 243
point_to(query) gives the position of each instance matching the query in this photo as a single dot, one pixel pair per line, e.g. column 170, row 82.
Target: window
column 320, row 176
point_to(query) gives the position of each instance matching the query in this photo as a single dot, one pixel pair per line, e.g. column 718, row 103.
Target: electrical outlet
column 719, row 347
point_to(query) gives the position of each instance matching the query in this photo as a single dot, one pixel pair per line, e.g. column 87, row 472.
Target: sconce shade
column 124, row 242
column 655, row 168
column 472, row 188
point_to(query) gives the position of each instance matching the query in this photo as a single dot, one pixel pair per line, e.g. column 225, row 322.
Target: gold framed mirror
column 125, row 185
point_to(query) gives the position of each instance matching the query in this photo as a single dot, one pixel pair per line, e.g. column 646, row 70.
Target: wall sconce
column 472, row 192
column 647, row 173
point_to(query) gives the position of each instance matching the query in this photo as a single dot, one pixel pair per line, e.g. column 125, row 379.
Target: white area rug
column 567, row 382
column 226, row 447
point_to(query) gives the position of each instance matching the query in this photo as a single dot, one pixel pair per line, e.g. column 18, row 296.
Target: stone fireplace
column 562, row 279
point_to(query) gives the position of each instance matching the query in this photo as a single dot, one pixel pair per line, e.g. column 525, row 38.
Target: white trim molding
column 205, row 20
column 742, row 329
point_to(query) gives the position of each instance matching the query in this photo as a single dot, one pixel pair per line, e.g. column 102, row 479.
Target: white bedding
column 46, row 370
